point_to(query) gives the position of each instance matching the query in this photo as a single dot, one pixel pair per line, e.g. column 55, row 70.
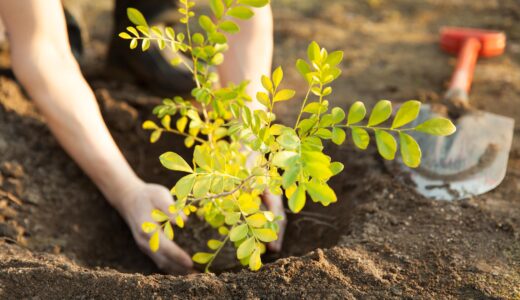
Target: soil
column 381, row 240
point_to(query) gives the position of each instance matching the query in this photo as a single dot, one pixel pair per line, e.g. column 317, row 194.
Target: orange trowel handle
column 468, row 44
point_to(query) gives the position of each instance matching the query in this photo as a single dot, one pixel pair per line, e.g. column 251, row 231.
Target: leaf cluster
column 224, row 132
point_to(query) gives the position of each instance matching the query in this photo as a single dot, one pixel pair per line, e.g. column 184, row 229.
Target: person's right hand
column 137, row 204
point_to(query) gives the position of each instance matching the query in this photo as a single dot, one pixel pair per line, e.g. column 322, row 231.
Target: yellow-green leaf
column 145, row 44
column 214, row 244
column 181, row 123
column 338, row 135
column 266, row 235
column 184, row 185
column 202, row 257
column 166, row 120
column 437, row 126
column 277, row 76
column 148, row 227
column 168, row 230
column 386, row 144
column 154, row 242
column 406, row 113
column 246, row 248
column 267, row 83
column 254, row 3
column 133, row 44
column 360, row 137
column 154, row 137
column 173, row 161
column 136, row 17
column 240, row 12
column 256, row 220
column 410, row 150
column 321, row 192
column 159, row 216
column 217, row 7
column 381, row 112
column 149, row 125
column 125, row 35
column 356, row 113
column 284, row 95
column 179, row 221
column 297, row 200
column 255, row 262
column 238, row 233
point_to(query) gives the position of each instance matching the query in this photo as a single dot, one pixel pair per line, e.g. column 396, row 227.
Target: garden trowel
column 474, row 159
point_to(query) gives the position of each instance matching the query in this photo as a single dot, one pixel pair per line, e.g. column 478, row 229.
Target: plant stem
column 303, row 106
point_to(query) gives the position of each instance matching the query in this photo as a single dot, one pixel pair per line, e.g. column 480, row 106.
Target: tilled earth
column 60, row 239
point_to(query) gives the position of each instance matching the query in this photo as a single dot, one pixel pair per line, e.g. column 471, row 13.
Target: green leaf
column 360, row 137
column 321, row 192
column 284, row 95
column 437, row 126
column 202, row 186
column 159, row 216
column 406, row 113
column 356, row 113
column 410, row 150
column 154, row 242
column 202, row 257
column 386, row 144
column 240, row 12
column 214, row 244
column 168, row 231
column 229, row 27
column 277, row 76
column 255, row 262
column 173, row 161
column 338, row 135
column 184, row 186
column 297, row 200
column 217, row 7
column 254, row 3
column 136, row 17
column 148, row 227
column 238, row 233
column 266, row 235
column 256, row 220
column 381, row 112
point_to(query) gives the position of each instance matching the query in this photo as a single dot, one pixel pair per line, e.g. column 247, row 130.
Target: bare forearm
column 69, row 106
column 250, row 52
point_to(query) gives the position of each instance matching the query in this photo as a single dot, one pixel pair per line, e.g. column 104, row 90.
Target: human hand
column 137, row 204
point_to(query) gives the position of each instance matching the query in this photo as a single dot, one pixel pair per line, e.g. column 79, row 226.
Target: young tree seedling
column 224, row 132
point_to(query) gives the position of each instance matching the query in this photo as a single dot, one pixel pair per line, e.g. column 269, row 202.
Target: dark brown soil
column 60, row 239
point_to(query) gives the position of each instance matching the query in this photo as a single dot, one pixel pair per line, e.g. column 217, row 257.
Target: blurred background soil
column 60, row 239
